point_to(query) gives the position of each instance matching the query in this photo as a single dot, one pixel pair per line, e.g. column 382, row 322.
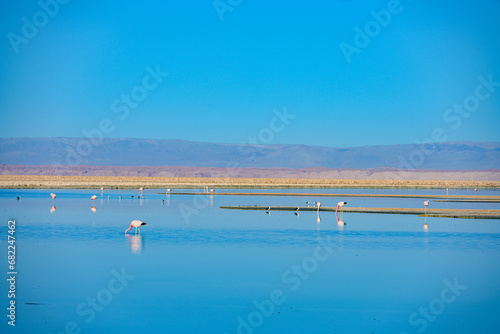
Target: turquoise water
column 196, row 268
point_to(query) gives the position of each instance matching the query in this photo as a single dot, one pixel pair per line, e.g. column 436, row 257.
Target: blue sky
column 225, row 77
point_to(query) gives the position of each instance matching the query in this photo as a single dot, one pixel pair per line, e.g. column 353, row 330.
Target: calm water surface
column 196, row 268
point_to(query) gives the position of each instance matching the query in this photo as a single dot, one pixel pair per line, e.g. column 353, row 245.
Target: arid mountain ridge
column 181, row 153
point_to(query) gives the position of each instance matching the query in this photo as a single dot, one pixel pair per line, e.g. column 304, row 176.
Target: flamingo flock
column 138, row 223
column 135, row 223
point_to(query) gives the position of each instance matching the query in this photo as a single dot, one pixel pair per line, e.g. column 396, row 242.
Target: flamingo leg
column 139, row 231
column 136, row 230
column 342, row 213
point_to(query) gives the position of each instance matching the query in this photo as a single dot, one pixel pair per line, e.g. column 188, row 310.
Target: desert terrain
column 128, row 182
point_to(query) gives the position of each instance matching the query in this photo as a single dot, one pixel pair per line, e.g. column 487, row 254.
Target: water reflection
column 52, row 209
column 93, row 208
column 340, row 223
column 318, row 220
column 135, row 243
column 426, row 226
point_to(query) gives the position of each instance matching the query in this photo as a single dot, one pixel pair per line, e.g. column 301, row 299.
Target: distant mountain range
column 148, row 152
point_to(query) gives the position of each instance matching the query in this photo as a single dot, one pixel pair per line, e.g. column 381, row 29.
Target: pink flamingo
column 140, row 190
column 426, row 204
column 168, row 191
column 93, row 198
column 340, row 205
column 136, row 224
column 102, row 191
column 53, row 196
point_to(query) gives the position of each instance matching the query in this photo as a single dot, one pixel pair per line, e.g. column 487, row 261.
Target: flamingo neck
column 128, row 229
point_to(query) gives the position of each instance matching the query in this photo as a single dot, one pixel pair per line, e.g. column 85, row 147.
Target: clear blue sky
column 226, row 76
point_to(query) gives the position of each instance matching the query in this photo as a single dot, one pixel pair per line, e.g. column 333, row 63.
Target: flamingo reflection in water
column 52, row 209
column 93, row 208
column 340, row 224
column 319, row 218
column 426, row 226
column 135, row 243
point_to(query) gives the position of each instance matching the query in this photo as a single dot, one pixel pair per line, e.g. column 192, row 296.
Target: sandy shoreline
column 117, row 182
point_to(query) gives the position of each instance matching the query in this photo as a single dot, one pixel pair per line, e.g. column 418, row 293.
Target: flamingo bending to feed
column 426, row 204
column 340, row 205
column 136, row 224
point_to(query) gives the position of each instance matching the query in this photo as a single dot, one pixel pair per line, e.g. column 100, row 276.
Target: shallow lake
column 196, row 268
